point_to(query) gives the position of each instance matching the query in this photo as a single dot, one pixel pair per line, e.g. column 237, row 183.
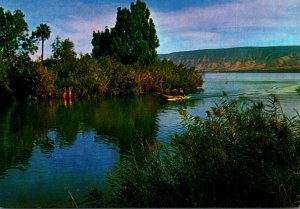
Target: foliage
column 27, row 79
column 157, row 77
column 4, row 83
column 14, row 36
column 244, row 154
column 63, row 50
column 15, row 45
column 102, row 42
column 107, row 76
column 298, row 90
column 132, row 40
column 126, row 60
column 168, row 75
column 91, row 78
column 21, row 77
column 45, row 85
column 65, row 56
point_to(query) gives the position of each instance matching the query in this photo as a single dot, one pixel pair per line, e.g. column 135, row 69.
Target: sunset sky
column 181, row 25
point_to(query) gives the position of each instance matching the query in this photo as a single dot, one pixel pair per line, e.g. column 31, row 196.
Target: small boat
column 174, row 98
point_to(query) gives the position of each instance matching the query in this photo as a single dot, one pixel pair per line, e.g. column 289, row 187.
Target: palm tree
column 43, row 32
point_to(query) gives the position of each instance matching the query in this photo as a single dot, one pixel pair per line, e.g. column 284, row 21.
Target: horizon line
column 235, row 47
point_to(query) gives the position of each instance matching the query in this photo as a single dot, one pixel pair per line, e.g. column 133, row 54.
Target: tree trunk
column 42, row 50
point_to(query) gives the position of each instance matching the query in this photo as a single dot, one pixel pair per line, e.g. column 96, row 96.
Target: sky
column 181, row 25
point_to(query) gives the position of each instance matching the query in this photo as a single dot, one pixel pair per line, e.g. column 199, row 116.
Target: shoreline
column 250, row 71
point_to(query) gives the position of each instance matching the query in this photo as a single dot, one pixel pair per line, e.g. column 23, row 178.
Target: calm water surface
column 49, row 149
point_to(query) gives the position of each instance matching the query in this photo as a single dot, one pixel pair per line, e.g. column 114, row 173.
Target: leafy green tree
column 66, row 63
column 15, row 44
column 132, row 40
column 45, row 85
column 63, row 50
column 102, row 42
column 43, row 32
column 22, row 77
column 4, row 83
column 143, row 40
column 14, row 34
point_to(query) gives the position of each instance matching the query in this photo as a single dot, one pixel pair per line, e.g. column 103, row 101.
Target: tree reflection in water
column 122, row 122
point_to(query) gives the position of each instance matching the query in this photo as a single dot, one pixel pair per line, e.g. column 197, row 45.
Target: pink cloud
column 255, row 13
column 194, row 27
column 237, row 23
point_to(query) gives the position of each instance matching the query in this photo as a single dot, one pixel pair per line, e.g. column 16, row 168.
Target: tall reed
column 243, row 154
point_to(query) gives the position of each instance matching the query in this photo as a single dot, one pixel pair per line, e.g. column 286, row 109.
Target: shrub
column 298, row 90
column 4, row 83
column 45, row 82
column 88, row 76
column 168, row 75
column 244, row 154
column 136, row 79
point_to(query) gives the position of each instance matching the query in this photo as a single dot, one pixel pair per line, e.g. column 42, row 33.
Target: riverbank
column 86, row 77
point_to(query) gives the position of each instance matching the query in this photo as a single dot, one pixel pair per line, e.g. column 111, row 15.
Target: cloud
column 230, row 24
column 240, row 23
column 198, row 34
column 78, row 23
column 80, row 29
column 255, row 13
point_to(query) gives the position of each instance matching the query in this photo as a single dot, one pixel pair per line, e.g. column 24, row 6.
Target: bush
column 298, row 90
column 168, row 75
column 244, row 154
column 45, row 82
column 23, row 78
column 137, row 80
column 4, row 83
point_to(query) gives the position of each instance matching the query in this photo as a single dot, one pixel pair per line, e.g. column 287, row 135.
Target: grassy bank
column 243, row 154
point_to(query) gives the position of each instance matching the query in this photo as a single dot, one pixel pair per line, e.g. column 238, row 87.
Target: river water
column 50, row 150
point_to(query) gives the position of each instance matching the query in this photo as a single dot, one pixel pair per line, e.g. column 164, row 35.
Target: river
column 51, row 149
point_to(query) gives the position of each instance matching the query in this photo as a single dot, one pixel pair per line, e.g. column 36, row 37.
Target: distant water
column 257, row 86
column 51, row 149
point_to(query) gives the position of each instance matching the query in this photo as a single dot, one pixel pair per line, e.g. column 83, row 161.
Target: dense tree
column 15, row 44
column 43, row 32
column 63, row 50
column 4, row 83
column 65, row 56
column 14, row 34
column 102, row 42
column 126, row 60
column 132, row 40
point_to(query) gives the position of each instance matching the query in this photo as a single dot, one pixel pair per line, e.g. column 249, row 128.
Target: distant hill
column 239, row 59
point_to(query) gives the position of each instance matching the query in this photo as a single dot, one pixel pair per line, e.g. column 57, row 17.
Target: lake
column 51, row 149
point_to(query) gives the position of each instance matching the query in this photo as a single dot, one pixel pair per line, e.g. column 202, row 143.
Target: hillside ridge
column 239, row 58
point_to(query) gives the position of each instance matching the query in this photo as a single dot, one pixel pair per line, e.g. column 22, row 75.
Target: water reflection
column 16, row 138
column 47, row 149
column 121, row 121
